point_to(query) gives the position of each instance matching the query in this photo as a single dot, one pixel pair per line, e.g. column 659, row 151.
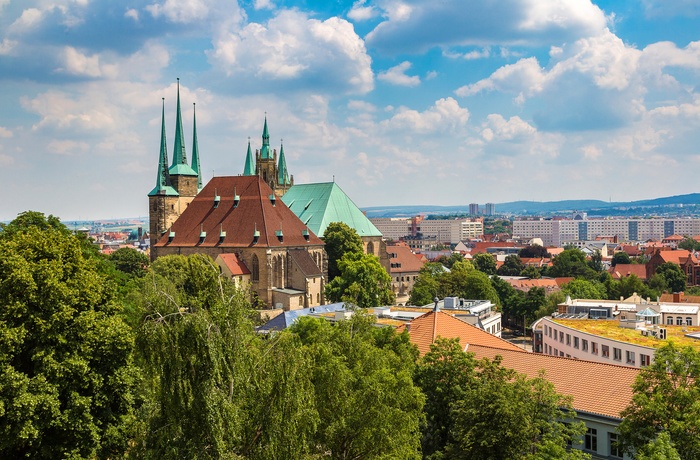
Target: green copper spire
column 163, row 185
column 195, row 149
column 249, row 169
column 180, row 166
column 282, row 173
column 265, row 152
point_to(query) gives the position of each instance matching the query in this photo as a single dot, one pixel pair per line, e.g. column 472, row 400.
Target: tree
column 363, row 388
column 584, row 289
column 659, row 448
column 570, row 262
column 427, row 285
column 480, row 410
column 67, row 378
column 475, row 285
column 130, row 261
column 620, row 257
column 665, row 400
column 362, row 282
column 484, row 263
column 534, row 251
column 531, row 272
column 689, row 244
column 512, row 266
column 673, row 274
column 596, row 262
column 340, row 239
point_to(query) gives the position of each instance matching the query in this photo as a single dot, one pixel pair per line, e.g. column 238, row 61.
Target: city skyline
column 400, row 102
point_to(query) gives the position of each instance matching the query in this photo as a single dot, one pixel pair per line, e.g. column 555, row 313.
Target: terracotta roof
column 564, row 280
column 677, row 256
column 405, row 257
column 234, row 264
column 426, row 328
column 481, row 246
column 673, row 238
column 623, row 270
column 255, row 211
column 668, row 298
column 596, row 388
column 630, row 250
column 305, row 262
column 527, row 284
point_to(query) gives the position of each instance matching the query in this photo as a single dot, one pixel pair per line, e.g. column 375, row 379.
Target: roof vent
column 217, row 199
column 280, row 236
column 256, row 235
column 236, row 198
column 171, row 236
column 305, row 234
column 222, row 234
column 273, row 199
column 202, row 234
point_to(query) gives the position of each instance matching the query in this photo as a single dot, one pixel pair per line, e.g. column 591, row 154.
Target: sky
column 401, row 102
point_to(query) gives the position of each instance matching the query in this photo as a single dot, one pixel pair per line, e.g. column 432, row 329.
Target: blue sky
column 402, row 101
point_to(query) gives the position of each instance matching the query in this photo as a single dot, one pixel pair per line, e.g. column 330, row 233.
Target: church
column 273, row 242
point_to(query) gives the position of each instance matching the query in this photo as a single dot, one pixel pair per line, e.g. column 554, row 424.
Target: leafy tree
column 660, row 448
column 689, row 244
column 596, row 262
column 570, row 262
column 484, row 263
column 476, row 285
column 362, row 282
column 427, row 285
column 450, row 261
column 531, row 272
column 551, row 301
column 676, row 280
column 480, row 410
column 67, row 379
column 584, row 289
column 620, row 257
column 626, row 287
column 339, row 240
column 512, row 266
column 534, row 251
column 361, row 377
column 665, row 399
column 130, row 261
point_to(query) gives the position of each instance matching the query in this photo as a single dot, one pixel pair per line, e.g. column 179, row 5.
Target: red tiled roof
column 623, row 270
column 668, row 298
column 405, row 257
column 677, row 256
column 481, row 246
column 234, row 264
column 255, row 211
column 426, row 328
column 597, row 388
column 527, row 284
column 564, row 280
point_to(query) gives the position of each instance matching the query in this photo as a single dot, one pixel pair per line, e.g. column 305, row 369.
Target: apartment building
column 450, row 231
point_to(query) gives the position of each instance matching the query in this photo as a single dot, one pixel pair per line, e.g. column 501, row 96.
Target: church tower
column 184, row 179
column 267, row 167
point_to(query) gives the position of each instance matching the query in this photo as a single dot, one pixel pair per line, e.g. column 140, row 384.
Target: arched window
column 688, row 321
column 370, row 248
column 669, row 320
column 255, row 271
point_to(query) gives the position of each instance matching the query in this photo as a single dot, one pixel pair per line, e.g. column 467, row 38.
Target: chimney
column 678, row 297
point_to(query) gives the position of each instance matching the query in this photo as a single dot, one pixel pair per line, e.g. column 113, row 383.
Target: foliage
column 620, row 257
column 666, row 396
column 512, row 266
column 596, row 262
column 531, row 272
column 484, row 263
column 362, row 282
column 570, row 262
column 689, row 244
column 426, row 286
column 534, row 251
column 676, row 279
column 584, row 289
column 67, row 379
column 551, row 301
column 475, row 285
column 481, row 410
column 659, row 448
column 340, row 239
column 626, row 287
column 361, row 377
column 130, row 261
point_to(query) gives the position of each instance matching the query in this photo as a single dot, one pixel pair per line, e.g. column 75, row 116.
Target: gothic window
column 255, row 272
column 370, row 248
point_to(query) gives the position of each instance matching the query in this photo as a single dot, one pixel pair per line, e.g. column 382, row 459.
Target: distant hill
column 541, row 207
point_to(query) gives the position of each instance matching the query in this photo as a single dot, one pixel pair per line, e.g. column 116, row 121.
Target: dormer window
column 171, row 236
column 202, row 236
column 222, row 236
column 217, row 199
column 305, row 234
column 280, row 236
column 256, row 237
column 236, row 200
column 273, row 199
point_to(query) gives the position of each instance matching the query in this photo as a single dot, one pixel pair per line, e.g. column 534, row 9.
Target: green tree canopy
column 674, row 276
column 583, row 289
column 130, row 261
column 570, row 262
column 620, row 257
column 362, row 282
column 665, row 399
column 67, row 379
column 340, row 240
column 512, row 266
column 484, row 263
column 534, row 251
column 660, row 448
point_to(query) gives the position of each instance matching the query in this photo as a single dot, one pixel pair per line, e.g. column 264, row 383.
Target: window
column 591, row 439
column 617, row 354
column 614, row 449
column 561, row 336
column 594, row 348
column 255, row 272
column 688, row 321
column 679, row 321
column 568, row 339
column 605, row 351
column 630, row 357
column 575, row 342
column 584, row 345
column 669, row 320
column 644, row 360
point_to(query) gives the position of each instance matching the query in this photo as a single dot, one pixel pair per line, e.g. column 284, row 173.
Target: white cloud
column 7, row 46
column 77, row 63
column 6, row 160
column 293, row 47
column 132, row 14
column 182, row 11
column 591, row 152
column 444, row 115
column 30, row 18
column 361, row 106
column 498, row 128
column 263, row 5
column 4, row 132
column 526, row 76
column 360, row 12
column 67, row 147
column 397, row 75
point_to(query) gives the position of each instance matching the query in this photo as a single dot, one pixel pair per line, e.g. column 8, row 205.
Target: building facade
column 449, row 231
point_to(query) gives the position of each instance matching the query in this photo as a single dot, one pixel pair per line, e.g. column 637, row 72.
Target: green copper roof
column 163, row 185
column 317, row 205
column 249, row 169
column 282, row 174
column 196, row 167
column 265, row 152
column 180, row 166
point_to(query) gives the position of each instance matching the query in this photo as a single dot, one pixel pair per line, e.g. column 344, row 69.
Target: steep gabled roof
column 596, row 388
column 623, row 270
column 233, row 263
column 255, row 211
column 403, row 260
column 426, row 328
column 317, row 205
column 305, row 262
column 676, row 256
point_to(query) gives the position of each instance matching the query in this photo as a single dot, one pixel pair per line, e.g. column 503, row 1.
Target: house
column 233, row 268
column 624, row 270
column 659, row 257
column 404, row 268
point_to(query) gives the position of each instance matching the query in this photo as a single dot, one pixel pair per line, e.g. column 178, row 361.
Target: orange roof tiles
column 549, row 284
column 407, row 260
column 234, row 264
column 623, row 270
column 597, row 388
column 426, row 328
column 676, row 256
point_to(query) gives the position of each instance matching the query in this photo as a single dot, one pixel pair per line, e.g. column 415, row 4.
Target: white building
column 445, row 230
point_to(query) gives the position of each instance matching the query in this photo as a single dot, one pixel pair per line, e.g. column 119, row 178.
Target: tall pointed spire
column 180, row 165
column 249, row 169
column 163, row 184
column 282, row 173
column 265, row 152
column 196, row 167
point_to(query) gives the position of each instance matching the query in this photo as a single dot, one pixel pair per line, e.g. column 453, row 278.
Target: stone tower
column 273, row 172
